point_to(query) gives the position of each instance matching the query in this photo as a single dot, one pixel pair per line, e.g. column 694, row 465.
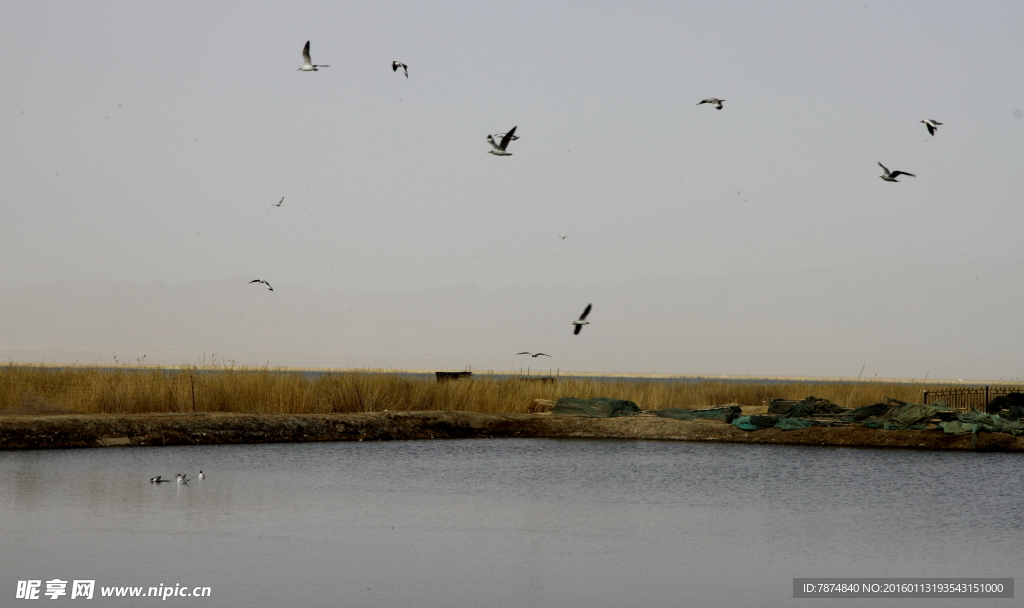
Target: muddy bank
column 81, row 431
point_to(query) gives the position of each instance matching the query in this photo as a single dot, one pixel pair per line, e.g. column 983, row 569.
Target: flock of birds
column 182, row 478
column 500, row 148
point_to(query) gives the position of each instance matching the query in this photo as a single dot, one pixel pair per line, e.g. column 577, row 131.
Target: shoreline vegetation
column 72, row 406
column 28, row 389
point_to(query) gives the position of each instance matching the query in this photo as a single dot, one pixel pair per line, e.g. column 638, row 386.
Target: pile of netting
column 791, row 415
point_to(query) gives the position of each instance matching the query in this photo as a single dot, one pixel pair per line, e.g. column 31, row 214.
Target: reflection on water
column 512, row 522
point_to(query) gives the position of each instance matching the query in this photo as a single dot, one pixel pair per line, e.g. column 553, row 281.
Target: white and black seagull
column 262, row 281
column 582, row 321
column 932, row 125
column 307, row 63
column 534, row 355
column 714, row 100
column 398, row 64
column 499, row 149
column 891, row 177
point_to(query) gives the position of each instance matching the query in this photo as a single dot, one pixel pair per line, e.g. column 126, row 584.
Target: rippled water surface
column 505, row 522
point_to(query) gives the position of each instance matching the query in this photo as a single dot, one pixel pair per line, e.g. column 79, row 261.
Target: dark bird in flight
column 534, row 355
column 714, row 100
column 307, row 63
column 891, row 177
column 932, row 125
column 278, row 203
column 398, row 64
column 579, row 324
column 499, row 149
column 262, row 281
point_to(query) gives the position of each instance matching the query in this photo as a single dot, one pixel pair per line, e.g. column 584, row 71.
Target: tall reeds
column 38, row 389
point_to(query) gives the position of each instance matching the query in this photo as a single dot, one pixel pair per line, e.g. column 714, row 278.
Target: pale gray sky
column 148, row 141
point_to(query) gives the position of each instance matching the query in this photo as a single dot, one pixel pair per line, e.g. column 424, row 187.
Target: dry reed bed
column 54, row 390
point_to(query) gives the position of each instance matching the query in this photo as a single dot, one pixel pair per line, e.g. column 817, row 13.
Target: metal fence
column 966, row 398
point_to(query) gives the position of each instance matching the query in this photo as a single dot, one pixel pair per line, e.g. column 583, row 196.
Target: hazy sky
column 149, row 141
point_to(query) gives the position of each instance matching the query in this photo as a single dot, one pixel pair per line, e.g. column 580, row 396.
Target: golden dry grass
column 133, row 390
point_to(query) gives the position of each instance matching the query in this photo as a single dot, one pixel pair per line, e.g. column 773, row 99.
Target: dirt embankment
column 80, row 431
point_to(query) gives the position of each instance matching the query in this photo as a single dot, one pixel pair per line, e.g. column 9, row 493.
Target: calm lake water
column 505, row 522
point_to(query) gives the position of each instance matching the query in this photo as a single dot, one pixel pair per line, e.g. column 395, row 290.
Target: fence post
column 926, row 397
column 985, row 407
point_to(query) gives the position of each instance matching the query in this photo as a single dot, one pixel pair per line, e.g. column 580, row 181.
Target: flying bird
column 307, row 63
column 278, row 203
column 891, row 177
column 499, row 149
column 398, row 64
column 714, row 100
column 534, row 355
column 579, row 324
column 261, row 281
column 932, row 125
column 563, row 237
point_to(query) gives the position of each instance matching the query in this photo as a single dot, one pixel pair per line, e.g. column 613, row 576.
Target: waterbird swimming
column 262, row 281
column 398, row 64
column 307, row 63
column 499, row 149
column 534, row 355
column 932, row 125
column 714, row 100
column 579, row 324
column 201, row 475
column 891, row 176
column 158, row 480
column 181, row 478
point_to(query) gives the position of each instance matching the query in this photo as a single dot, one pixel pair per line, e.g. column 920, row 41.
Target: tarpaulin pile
column 1010, row 401
column 976, row 421
column 811, row 406
column 602, row 407
column 752, row 423
column 791, row 415
column 725, row 413
column 902, row 415
column 599, row 407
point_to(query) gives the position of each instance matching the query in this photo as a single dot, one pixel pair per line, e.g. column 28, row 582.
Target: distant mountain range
column 895, row 320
